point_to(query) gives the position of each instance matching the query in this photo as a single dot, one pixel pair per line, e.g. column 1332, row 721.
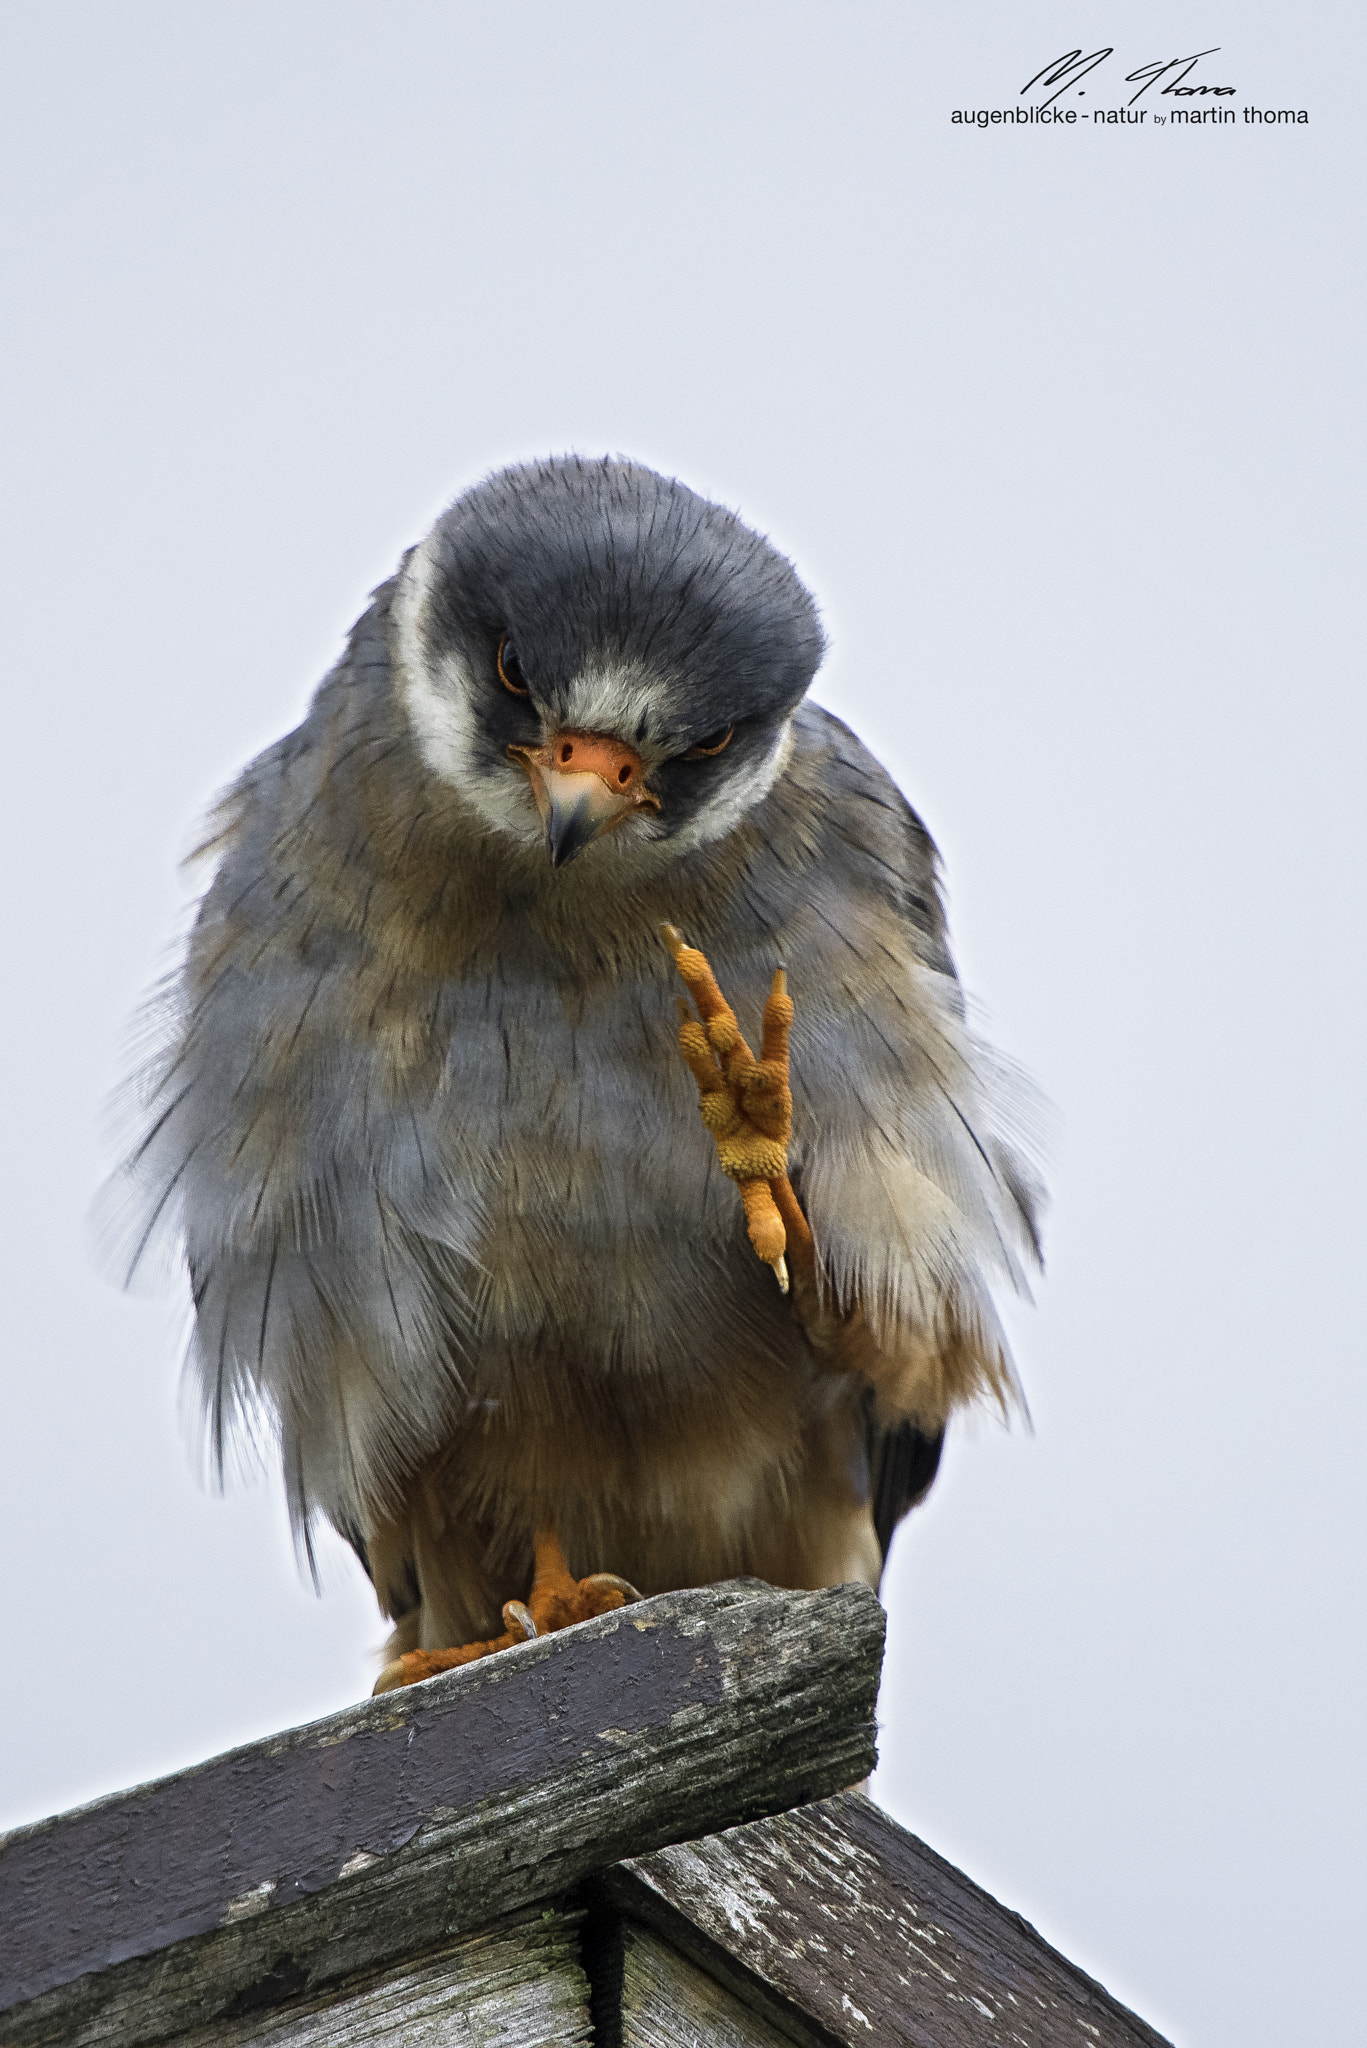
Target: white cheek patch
column 439, row 711
column 738, row 796
column 609, row 698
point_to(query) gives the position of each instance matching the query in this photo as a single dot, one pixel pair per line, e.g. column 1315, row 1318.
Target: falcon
column 546, row 1296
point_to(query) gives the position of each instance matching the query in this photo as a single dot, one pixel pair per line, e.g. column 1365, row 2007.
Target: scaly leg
column 555, row 1601
column 747, row 1105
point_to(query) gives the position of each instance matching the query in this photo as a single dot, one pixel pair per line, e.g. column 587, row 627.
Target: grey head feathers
column 637, row 609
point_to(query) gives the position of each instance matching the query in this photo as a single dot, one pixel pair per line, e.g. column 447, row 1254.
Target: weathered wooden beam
column 431, row 1811
column 517, row 1984
column 836, row 1926
column 647, row 1995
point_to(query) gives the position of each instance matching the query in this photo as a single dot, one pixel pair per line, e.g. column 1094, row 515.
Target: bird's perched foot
column 747, row 1105
column 555, row 1601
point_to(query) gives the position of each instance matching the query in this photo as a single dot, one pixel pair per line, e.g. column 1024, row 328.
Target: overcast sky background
column 1058, row 425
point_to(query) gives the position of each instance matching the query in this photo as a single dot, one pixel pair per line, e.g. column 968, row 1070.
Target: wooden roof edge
column 407, row 1819
column 837, row 1925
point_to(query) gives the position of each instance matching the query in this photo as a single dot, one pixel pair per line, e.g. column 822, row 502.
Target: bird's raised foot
column 746, row 1104
column 556, row 1601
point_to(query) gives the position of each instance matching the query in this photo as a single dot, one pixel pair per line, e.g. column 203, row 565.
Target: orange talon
column 746, row 1104
column 765, row 1227
column 555, row 1601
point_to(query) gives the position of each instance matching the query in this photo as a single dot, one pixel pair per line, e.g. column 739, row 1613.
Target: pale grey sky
column 1061, row 427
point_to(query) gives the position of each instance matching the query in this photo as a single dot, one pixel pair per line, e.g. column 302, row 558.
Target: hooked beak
column 584, row 784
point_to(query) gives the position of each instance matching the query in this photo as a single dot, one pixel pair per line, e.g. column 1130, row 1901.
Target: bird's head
column 589, row 649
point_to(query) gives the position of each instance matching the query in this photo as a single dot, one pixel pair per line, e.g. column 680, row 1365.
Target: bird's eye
column 510, row 668
column 713, row 744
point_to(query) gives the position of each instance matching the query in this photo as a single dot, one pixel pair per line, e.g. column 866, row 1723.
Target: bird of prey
column 461, row 1244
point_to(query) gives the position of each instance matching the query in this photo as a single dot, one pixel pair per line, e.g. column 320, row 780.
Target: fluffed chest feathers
column 607, row 1244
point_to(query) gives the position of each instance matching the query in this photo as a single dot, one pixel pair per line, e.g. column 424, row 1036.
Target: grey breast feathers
column 911, row 1138
column 418, row 1107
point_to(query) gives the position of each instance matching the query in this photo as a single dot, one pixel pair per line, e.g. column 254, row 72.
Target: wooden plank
column 518, row 1984
column 855, row 1926
column 664, row 2000
column 408, row 1819
column 605, row 1940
